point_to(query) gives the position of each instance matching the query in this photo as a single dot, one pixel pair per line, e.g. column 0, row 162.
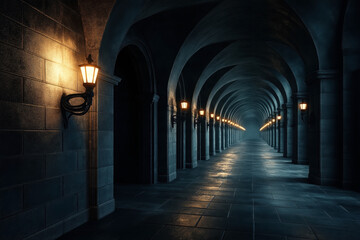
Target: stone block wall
column 43, row 167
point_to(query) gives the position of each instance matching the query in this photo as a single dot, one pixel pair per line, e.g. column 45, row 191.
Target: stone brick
column 72, row 20
column 12, row 9
column 106, row 121
column 51, row 232
column 21, row 169
column 75, row 140
column 60, row 209
column 38, row 4
column 11, row 143
column 54, row 9
column 41, row 192
column 79, row 123
column 82, row 159
column 20, row 62
column 76, row 220
column 41, row 23
column 42, row 142
column 42, row 94
column 22, row 225
column 54, row 119
column 105, row 193
column 61, row 163
column 12, row 88
column 105, row 139
column 105, row 88
column 21, row 116
column 11, row 201
column 42, row 46
column 74, row 41
column 105, row 175
column 59, row 75
column 106, row 104
column 83, row 199
column 10, row 32
column 53, row 96
column 106, row 157
column 75, row 182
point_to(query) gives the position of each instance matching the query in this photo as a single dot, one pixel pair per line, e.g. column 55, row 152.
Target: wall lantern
column 184, row 105
column 303, row 106
column 218, row 118
column 279, row 117
column 273, row 120
column 89, row 73
column 223, row 120
column 212, row 115
column 202, row 112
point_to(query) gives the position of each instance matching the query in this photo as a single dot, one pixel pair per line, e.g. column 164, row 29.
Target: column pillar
column 282, row 135
column 212, row 150
column 289, row 130
column 301, row 140
column 217, row 137
column 324, row 127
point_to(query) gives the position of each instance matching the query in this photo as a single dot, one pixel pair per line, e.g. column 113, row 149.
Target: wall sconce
column 184, row 105
column 273, row 120
column 218, row 118
column 202, row 112
column 303, row 108
column 212, row 115
column 89, row 73
column 279, row 117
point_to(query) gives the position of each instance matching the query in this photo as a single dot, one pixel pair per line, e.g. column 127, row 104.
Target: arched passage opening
column 134, row 123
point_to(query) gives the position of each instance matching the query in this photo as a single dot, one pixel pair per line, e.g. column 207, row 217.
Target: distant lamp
column 279, row 117
column 303, row 106
column 273, row 120
column 223, row 120
column 218, row 118
column 202, row 112
column 89, row 73
column 184, row 105
column 212, row 115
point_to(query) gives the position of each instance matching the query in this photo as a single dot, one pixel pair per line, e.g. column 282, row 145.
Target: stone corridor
column 249, row 191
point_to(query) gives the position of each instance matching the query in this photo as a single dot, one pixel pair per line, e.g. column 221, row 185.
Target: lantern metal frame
column 87, row 96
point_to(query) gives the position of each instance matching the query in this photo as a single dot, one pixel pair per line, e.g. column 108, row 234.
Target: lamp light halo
column 184, row 105
column 89, row 72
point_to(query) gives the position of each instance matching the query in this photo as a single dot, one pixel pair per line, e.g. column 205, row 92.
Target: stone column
column 324, row 127
column 289, row 130
column 281, row 126
column 204, row 139
column 222, row 136
column 212, row 148
column 301, row 142
column 226, row 135
column 217, row 137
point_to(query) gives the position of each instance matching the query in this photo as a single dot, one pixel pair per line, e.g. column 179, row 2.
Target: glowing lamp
column 303, row 106
column 184, row 105
column 212, row 115
column 202, row 112
column 279, row 117
column 89, row 73
column 273, row 120
column 223, row 120
column 218, row 118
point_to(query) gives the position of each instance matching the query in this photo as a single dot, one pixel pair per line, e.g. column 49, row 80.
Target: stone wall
column 43, row 167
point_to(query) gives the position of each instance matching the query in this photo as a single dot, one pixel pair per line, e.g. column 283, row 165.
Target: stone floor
column 247, row 192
